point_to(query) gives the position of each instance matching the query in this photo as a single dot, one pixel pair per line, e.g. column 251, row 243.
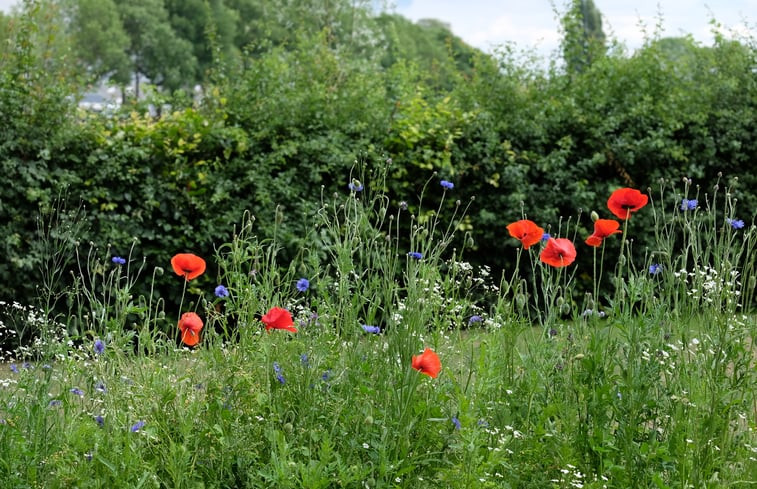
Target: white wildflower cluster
column 664, row 357
column 24, row 322
column 708, row 286
column 570, row 476
column 397, row 315
column 493, row 323
column 753, row 452
column 468, row 280
column 501, row 438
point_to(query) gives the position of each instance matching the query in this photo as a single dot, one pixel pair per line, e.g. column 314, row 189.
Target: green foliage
column 99, row 39
column 583, row 39
column 333, row 92
column 657, row 392
column 439, row 55
column 155, row 49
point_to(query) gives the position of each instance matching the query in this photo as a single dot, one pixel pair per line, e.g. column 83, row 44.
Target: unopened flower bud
column 594, row 216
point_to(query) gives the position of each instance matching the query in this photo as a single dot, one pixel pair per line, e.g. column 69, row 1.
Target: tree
column 155, row 49
column 99, row 38
column 209, row 25
column 429, row 44
column 583, row 38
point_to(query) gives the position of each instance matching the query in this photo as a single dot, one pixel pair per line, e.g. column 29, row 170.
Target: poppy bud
column 594, row 216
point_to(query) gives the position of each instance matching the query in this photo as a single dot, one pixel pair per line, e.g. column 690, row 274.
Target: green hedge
column 271, row 137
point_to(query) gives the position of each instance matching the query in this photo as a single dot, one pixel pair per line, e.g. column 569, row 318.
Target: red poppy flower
column 427, row 363
column 624, row 201
column 190, row 325
column 559, row 252
column 278, row 318
column 525, row 231
column 188, row 265
column 602, row 229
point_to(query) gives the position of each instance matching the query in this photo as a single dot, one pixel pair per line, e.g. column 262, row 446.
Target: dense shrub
column 301, row 119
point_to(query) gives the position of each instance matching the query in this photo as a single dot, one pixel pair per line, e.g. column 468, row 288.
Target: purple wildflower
column 221, row 291
column 688, row 205
column 474, row 319
column 303, row 285
column 735, row 223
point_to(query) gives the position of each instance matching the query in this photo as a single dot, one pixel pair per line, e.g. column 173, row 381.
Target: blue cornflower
column 545, row 236
column 77, row 391
column 355, row 186
column 118, row 260
column 27, row 365
column 100, row 387
column 735, row 223
column 416, row 255
column 88, row 456
column 371, row 329
column 688, row 205
column 137, row 426
column 14, row 368
column 221, row 291
column 456, row 422
column 55, row 403
column 326, row 375
column 447, row 184
column 100, row 421
column 474, row 319
column 655, row 269
column 99, row 346
column 277, row 371
column 303, row 285
column 304, row 360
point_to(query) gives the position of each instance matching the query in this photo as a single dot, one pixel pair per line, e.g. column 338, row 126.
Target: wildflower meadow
column 315, row 244
column 384, row 360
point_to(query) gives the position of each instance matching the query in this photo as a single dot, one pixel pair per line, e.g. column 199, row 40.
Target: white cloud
column 532, row 24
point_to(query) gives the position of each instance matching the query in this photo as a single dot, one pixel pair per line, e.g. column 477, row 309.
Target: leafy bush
column 305, row 116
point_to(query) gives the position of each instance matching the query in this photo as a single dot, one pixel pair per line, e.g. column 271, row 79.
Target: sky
column 532, row 24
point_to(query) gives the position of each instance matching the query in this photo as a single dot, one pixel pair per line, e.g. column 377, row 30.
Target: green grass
column 654, row 388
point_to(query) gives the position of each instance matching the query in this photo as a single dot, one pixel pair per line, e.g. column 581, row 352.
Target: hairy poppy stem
column 181, row 305
column 621, row 260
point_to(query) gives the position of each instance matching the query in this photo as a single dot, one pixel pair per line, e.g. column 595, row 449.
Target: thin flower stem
column 181, row 304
